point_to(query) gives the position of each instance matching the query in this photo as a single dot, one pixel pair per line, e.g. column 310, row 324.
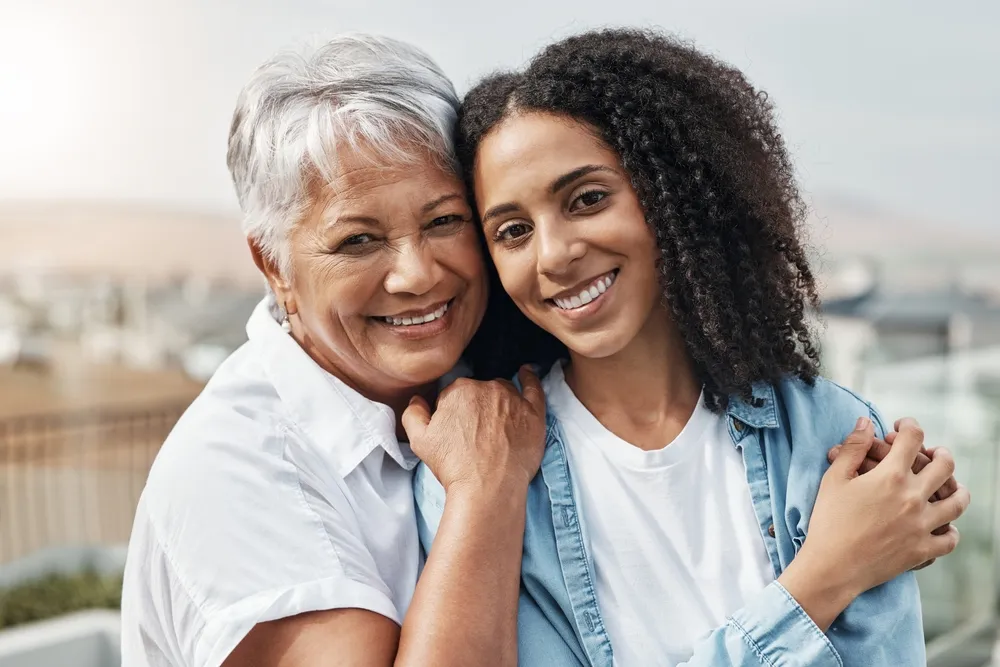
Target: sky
column 893, row 105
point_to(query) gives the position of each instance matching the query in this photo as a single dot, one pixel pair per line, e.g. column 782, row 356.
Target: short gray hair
column 298, row 108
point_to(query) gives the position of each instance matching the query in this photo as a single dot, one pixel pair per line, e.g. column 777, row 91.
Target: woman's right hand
column 868, row 529
column 482, row 436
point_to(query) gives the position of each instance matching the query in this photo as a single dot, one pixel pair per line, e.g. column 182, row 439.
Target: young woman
column 641, row 211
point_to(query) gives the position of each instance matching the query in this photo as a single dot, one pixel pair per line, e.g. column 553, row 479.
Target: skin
column 558, row 211
column 382, row 240
column 390, row 240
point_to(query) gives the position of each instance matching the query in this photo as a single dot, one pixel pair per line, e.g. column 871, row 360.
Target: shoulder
column 827, row 409
column 239, row 501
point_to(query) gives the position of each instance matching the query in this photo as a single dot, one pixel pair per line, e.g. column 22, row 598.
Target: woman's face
column 566, row 231
column 388, row 284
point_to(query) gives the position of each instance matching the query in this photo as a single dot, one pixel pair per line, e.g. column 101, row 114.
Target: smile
column 412, row 319
column 590, row 292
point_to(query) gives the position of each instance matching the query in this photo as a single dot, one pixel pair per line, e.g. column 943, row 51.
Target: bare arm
column 464, row 611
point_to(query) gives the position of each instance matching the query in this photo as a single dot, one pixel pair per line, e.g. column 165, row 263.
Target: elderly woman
column 284, row 491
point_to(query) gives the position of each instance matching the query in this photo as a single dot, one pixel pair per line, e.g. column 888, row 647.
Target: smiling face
column 387, row 284
column 567, row 232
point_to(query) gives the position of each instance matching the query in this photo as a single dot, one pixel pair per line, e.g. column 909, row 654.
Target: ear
column 279, row 284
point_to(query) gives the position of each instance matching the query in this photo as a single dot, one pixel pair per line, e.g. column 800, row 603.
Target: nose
column 557, row 246
column 415, row 268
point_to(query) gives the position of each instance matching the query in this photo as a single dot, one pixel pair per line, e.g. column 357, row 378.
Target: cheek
column 464, row 258
column 340, row 290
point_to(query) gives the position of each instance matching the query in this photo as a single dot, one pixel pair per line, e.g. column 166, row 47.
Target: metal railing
column 74, row 479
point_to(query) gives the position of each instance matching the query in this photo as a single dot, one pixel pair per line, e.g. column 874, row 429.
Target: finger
column 854, row 449
column 907, row 444
column 942, row 545
column 920, row 462
column 867, row 465
column 937, row 472
column 531, row 388
column 890, row 437
column 950, row 485
column 876, row 452
column 879, row 450
column 416, row 417
column 948, row 510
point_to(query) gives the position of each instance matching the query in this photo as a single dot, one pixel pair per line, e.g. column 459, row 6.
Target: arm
column 864, row 532
column 464, row 609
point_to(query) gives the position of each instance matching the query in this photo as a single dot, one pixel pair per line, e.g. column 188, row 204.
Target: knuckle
column 897, row 478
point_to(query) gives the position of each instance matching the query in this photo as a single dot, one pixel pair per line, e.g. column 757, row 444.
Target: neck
column 397, row 397
column 644, row 393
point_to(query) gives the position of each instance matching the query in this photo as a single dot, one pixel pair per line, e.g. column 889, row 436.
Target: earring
column 286, row 326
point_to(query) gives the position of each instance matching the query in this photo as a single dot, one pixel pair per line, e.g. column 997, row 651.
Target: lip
column 424, row 330
column 573, row 291
column 587, row 310
column 420, row 311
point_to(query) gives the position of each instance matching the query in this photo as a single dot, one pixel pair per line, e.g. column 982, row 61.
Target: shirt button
column 737, row 424
column 770, row 530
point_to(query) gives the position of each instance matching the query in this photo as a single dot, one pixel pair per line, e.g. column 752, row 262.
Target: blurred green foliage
column 59, row 594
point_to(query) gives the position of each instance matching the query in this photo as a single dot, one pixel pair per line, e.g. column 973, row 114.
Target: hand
column 878, row 451
column 482, row 435
column 868, row 529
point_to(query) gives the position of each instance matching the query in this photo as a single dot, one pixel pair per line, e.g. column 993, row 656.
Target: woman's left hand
column 880, row 449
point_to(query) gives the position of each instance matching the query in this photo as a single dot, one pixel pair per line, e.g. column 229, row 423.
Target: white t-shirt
column 675, row 543
column 280, row 491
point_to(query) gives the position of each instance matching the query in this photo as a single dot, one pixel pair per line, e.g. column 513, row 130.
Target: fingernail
column 862, row 424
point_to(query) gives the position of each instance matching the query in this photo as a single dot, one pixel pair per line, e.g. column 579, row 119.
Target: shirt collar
column 758, row 411
column 337, row 418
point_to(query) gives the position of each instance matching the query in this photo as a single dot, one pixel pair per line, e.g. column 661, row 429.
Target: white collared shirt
column 280, row 491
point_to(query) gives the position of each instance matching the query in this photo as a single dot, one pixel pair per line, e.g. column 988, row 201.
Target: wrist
column 823, row 590
column 507, row 492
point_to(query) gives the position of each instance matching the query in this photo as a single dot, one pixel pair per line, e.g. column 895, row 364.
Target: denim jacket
column 783, row 436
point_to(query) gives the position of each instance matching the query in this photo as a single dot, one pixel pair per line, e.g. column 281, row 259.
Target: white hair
column 356, row 90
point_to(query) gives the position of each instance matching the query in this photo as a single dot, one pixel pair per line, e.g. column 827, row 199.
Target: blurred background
column 124, row 278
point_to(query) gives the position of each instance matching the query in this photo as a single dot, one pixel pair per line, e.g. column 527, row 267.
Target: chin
column 426, row 367
column 598, row 345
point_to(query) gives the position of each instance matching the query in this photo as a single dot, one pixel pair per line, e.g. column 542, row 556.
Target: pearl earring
column 286, row 326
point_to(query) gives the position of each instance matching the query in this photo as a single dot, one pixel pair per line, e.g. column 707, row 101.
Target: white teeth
column 419, row 319
column 596, row 289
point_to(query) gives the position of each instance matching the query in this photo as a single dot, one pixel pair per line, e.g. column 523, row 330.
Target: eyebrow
column 566, row 179
column 368, row 220
column 557, row 185
column 430, row 206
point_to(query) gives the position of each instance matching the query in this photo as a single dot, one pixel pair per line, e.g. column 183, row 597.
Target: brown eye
column 588, row 199
column 357, row 244
column 511, row 231
column 447, row 224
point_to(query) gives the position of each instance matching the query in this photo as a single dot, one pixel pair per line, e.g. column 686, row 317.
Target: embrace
column 533, row 384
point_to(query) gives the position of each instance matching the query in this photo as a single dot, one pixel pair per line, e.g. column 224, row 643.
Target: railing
column 75, row 479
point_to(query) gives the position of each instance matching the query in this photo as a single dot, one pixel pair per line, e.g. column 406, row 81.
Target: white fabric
column 280, row 491
column 675, row 543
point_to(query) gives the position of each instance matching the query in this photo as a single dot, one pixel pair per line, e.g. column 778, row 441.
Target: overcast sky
column 894, row 103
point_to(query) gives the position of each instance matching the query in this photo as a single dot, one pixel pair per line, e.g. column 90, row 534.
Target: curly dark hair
column 716, row 184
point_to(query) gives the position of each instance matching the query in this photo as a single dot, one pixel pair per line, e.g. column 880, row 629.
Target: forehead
column 529, row 145
column 362, row 172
